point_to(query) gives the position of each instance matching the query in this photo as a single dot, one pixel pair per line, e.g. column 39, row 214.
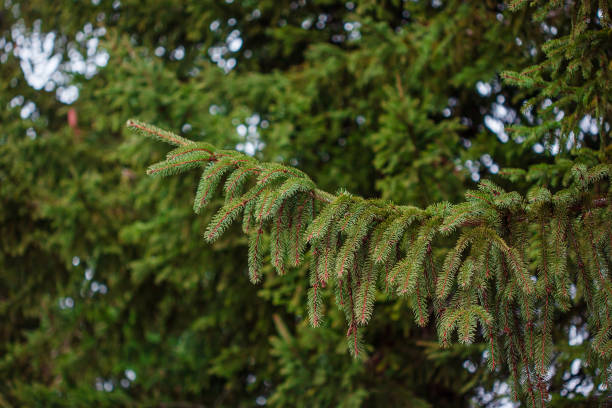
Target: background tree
column 109, row 295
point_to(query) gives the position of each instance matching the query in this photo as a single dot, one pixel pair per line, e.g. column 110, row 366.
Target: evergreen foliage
column 109, row 298
column 489, row 280
column 512, row 260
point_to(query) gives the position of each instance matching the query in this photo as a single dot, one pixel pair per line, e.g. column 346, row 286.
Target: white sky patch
column 67, row 94
column 560, row 115
column 306, row 24
column 242, row 130
column 538, row 148
column 577, row 335
column 66, row 303
column 500, row 393
column 575, row 367
column 130, row 374
column 483, row 88
column 352, row 28
column 35, row 51
column 16, row 101
column 496, row 126
column 571, row 141
column 43, row 67
column 218, row 53
column 469, row 366
column 235, row 44
column 250, row 133
column 27, row 110
column 588, row 124
column 555, row 147
column 178, row 54
column 499, row 110
column 486, row 159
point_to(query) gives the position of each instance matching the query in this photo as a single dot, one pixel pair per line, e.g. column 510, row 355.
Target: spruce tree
column 495, row 268
column 103, row 276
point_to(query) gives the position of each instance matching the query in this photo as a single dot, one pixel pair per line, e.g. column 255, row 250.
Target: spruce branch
column 487, row 277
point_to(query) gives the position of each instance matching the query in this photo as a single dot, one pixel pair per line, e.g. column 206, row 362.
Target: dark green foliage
column 407, row 101
column 492, row 222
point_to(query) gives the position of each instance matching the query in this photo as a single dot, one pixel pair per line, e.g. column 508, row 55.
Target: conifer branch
column 488, row 279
